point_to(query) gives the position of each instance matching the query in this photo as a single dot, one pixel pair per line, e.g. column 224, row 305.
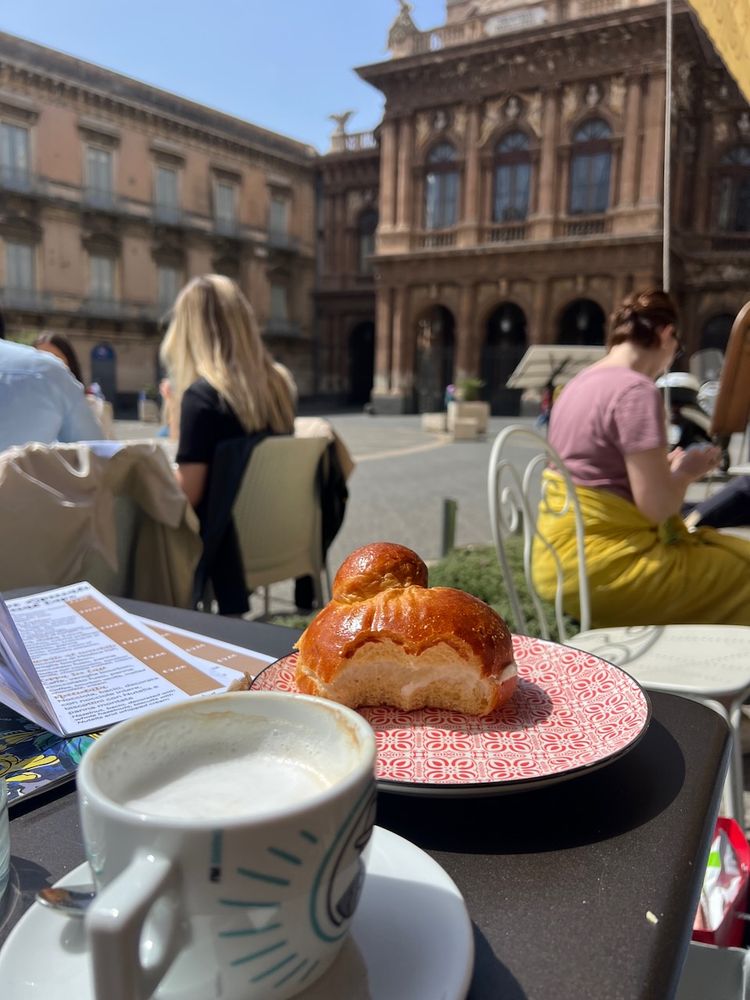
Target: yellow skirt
column 640, row 573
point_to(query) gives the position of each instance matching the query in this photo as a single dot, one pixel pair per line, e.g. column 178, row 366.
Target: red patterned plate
column 571, row 712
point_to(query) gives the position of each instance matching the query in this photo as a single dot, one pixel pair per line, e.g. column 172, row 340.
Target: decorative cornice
column 26, row 65
column 546, row 57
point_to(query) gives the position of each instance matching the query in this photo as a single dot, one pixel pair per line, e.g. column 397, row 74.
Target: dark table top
column 558, row 881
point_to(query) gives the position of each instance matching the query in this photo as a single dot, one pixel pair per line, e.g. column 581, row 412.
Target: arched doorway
column 715, row 332
column 582, row 322
column 361, row 363
column 104, row 370
column 504, row 346
column 434, row 361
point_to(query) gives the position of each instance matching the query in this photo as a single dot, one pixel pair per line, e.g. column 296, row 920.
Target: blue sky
column 283, row 65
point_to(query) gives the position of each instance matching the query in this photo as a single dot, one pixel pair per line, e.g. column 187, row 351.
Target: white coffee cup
column 225, row 837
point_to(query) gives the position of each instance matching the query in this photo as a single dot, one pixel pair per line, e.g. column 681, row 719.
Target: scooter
column 690, row 408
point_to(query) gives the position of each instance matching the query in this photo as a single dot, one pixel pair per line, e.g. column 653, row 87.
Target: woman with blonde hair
column 223, row 383
column 223, row 386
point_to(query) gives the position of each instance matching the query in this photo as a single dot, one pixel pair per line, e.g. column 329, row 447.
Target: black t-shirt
column 206, row 419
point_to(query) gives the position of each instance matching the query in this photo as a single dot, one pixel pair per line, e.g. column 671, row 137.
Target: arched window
column 366, row 226
column 441, row 188
column 734, row 190
column 510, row 201
column 590, row 168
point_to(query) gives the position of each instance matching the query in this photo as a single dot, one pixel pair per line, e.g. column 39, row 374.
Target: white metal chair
column 710, row 663
column 277, row 514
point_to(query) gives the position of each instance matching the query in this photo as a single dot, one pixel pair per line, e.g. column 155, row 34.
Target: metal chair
column 277, row 514
column 708, row 663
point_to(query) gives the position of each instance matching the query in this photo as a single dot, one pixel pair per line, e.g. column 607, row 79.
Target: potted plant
column 467, row 406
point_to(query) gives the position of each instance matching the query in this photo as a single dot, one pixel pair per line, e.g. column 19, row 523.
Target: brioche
column 386, row 638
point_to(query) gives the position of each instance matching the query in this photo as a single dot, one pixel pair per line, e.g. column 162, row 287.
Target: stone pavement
column 396, row 491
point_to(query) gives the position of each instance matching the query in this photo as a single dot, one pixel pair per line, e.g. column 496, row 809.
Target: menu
column 72, row 661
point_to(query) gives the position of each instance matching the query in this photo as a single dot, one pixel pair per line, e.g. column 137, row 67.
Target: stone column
column 547, row 180
column 402, row 377
column 539, row 327
column 404, row 214
column 388, row 175
column 631, row 142
column 467, row 339
column 701, row 188
column 471, row 206
column 652, row 160
column 383, row 341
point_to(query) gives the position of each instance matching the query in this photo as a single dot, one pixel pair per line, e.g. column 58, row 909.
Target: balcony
column 505, row 23
column 115, row 309
column 168, row 215
column 586, row 225
column 434, row 239
column 14, row 179
column 282, row 328
column 353, row 142
column 505, row 232
column 101, row 199
column 24, row 299
column 279, row 239
column 227, row 227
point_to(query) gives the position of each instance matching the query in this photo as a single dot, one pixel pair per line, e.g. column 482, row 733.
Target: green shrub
column 476, row 570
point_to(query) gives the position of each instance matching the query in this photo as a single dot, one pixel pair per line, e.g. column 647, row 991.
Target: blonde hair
column 213, row 334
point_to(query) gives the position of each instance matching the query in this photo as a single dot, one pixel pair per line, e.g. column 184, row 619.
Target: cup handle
column 114, row 924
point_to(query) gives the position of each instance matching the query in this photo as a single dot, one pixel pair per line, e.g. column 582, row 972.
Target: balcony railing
column 24, row 299
column 101, row 198
column 279, row 239
column 730, row 241
column 353, row 142
column 15, row 179
column 226, row 226
column 170, row 215
column 435, row 239
column 505, row 23
column 506, row 232
column 589, row 225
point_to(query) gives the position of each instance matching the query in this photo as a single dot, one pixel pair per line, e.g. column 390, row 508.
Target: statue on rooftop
column 341, row 121
column 403, row 28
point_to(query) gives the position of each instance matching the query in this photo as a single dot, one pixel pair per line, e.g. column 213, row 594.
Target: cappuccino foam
column 250, row 784
column 201, row 764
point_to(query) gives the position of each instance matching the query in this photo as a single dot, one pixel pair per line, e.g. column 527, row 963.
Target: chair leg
column 318, row 587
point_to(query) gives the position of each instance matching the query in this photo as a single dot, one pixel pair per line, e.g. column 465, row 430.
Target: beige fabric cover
column 120, row 522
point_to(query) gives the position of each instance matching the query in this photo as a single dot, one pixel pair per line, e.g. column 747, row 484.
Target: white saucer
column 411, row 939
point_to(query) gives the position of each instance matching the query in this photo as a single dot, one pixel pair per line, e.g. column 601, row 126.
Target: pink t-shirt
column 602, row 415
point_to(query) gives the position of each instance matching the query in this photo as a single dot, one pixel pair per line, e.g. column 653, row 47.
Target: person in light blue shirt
column 40, row 400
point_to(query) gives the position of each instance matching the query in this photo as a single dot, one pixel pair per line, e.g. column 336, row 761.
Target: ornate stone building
column 114, row 193
column 520, row 192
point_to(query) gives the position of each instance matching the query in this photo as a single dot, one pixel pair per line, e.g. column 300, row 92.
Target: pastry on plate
column 386, row 638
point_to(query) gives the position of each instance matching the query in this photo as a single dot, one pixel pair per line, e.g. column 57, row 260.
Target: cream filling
column 448, row 673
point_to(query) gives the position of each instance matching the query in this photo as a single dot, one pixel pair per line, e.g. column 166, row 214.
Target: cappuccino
column 245, row 786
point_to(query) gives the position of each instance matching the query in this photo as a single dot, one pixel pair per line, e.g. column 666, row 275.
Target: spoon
column 72, row 901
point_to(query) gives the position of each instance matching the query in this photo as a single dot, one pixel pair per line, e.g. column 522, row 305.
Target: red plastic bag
column 725, row 888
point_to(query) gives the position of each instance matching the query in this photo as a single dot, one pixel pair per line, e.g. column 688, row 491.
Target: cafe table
column 585, row 889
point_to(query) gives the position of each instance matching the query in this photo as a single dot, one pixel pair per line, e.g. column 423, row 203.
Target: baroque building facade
column 520, row 197
column 113, row 194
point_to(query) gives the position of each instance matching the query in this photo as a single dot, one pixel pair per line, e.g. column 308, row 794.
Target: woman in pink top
column 608, row 425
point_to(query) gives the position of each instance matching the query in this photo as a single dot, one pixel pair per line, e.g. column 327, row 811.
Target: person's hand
column 695, row 462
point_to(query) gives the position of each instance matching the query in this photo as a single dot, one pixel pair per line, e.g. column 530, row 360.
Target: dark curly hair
column 641, row 316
